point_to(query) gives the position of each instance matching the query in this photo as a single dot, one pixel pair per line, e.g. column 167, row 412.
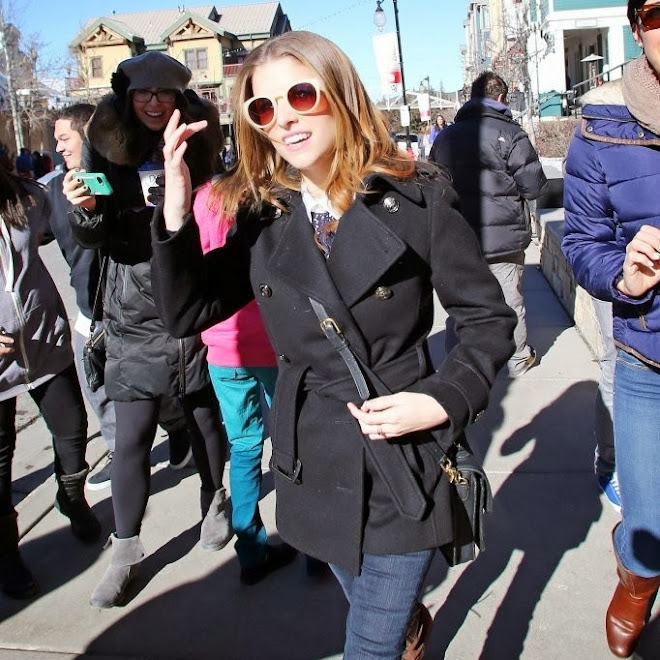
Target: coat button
column 391, row 204
column 265, row 291
column 282, row 358
column 383, row 293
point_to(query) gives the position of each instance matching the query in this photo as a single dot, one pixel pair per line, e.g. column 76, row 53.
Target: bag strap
column 340, row 343
column 357, row 369
column 97, row 295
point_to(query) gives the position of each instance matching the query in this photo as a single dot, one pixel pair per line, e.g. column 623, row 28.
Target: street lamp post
column 380, row 19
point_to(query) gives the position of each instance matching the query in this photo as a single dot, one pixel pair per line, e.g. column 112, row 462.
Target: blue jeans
column 381, row 600
column 239, row 392
column 604, row 462
column 637, row 438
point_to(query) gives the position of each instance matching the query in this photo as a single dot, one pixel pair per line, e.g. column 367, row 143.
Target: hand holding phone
column 97, row 183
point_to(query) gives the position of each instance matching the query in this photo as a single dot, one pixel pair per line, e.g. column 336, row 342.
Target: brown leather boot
column 628, row 610
column 418, row 633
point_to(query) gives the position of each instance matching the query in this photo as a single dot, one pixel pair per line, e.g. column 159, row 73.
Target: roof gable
column 154, row 27
column 149, row 25
column 187, row 21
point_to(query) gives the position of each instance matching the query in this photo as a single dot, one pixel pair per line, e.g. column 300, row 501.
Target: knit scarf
column 641, row 93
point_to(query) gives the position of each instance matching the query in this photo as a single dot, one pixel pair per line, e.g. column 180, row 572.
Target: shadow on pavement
column 288, row 616
column 540, row 512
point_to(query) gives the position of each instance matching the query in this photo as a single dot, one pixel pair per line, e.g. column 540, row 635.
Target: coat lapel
column 364, row 249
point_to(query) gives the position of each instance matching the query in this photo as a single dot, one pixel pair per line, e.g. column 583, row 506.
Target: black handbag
column 471, row 496
column 94, row 356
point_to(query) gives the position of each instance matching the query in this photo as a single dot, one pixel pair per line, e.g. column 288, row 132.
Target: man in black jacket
column 495, row 169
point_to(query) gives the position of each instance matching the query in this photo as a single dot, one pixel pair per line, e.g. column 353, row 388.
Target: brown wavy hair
column 363, row 146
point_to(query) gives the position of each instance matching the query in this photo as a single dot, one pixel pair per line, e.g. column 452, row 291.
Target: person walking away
column 612, row 242
column 328, row 209
column 495, row 170
column 36, row 357
column 145, row 364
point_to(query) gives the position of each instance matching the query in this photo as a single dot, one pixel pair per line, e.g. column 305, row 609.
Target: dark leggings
column 136, row 427
column 63, row 409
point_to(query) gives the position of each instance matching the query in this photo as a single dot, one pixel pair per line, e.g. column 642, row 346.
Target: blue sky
column 431, row 30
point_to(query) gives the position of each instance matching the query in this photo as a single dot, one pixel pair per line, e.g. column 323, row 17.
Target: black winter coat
column 494, row 168
column 392, row 249
column 143, row 360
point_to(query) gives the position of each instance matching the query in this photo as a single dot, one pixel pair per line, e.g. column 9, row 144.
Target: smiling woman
column 326, row 209
column 146, row 367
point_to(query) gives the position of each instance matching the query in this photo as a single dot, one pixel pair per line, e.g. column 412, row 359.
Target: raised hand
column 76, row 191
column 641, row 267
column 178, row 189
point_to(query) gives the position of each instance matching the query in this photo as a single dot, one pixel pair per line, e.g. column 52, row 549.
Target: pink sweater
column 241, row 340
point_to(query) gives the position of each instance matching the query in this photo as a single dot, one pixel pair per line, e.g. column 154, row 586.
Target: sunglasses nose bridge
column 284, row 111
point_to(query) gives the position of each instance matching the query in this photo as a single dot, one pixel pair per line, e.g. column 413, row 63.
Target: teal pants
column 239, row 392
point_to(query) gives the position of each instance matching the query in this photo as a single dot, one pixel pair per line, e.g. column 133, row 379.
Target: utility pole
column 15, row 113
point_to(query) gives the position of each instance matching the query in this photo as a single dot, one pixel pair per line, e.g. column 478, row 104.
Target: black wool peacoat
column 395, row 245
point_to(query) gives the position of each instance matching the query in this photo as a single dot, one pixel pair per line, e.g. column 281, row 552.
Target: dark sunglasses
column 162, row 95
column 649, row 15
column 303, row 97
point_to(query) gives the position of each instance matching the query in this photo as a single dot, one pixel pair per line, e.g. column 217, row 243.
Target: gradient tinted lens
column 261, row 111
column 650, row 16
column 302, row 97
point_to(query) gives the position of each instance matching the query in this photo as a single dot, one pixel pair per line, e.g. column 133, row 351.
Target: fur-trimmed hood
column 610, row 93
column 118, row 137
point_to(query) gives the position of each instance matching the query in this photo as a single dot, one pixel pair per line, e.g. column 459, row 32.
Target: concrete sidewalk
column 539, row 592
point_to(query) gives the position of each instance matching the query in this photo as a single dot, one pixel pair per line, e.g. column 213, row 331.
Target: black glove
column 157, row 193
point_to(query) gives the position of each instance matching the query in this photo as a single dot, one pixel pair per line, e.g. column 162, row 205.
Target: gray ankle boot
column 127, row 555
column 216, row 529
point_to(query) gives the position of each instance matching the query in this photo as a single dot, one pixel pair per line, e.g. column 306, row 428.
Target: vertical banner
column 424, row 104
column 388, row 62
column 404, row 113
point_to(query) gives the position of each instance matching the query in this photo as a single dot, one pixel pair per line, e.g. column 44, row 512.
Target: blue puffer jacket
column 611, row 189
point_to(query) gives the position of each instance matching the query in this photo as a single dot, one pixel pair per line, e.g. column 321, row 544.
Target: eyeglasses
column 649, row 15
column 304, row 97
column 162, row 95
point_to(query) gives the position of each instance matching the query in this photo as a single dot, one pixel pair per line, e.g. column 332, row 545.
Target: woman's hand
column 6, row 343
column 178, row 189
column 641, row 267
column 398, row 414
column 77, row 192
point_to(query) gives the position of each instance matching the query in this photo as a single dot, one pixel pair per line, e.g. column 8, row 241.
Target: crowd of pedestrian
column 212, row 281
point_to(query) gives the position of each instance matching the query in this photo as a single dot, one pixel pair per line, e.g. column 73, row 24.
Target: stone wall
column 555, row 268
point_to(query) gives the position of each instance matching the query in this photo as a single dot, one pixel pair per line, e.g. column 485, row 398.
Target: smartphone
column 97, row 182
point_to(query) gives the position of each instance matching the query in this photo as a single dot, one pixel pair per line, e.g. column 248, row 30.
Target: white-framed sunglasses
column 303, row 97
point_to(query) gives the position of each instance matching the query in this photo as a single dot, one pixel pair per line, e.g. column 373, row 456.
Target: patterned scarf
column 641, row 93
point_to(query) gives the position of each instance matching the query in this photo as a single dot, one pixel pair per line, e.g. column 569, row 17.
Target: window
column 96, row 65
column 196, row 58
